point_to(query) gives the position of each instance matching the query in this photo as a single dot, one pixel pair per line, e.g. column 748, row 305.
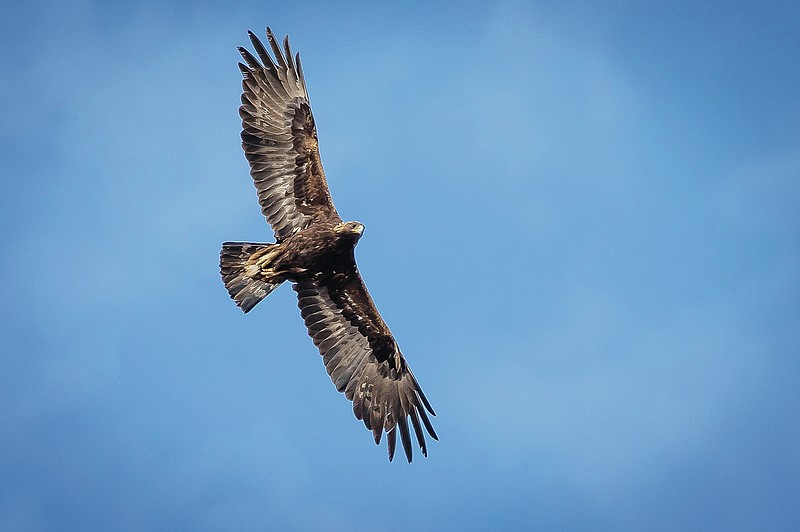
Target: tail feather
column 234, row 260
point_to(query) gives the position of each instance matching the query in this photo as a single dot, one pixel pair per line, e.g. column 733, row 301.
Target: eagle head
column 351, row 229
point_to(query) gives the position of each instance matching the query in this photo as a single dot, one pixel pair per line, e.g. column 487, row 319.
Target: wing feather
column 279, row 138
column 363, row 360
column 266, row 60
column 391, row 441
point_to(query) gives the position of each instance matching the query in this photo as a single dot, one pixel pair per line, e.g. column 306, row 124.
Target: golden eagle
column 314, row 250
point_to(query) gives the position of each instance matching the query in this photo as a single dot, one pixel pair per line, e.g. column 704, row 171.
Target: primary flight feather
column 314, row 250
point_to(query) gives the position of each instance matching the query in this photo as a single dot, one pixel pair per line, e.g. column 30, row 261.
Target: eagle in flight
column 314, row 250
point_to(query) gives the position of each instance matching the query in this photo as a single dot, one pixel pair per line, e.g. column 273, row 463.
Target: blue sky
column 582, row 228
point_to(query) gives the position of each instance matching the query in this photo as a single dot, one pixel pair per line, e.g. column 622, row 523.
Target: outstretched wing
column 280, row 139
column 362, row 358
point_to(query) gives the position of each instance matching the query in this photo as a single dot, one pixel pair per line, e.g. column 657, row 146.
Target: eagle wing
column 279, row 138
column 362, row 358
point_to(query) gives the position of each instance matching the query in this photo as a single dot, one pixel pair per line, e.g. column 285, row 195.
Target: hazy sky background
column 582, row 228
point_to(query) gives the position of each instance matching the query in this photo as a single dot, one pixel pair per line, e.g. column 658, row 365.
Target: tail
column 237, row 264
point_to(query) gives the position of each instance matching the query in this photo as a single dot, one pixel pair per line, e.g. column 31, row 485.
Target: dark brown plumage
column 315, row 252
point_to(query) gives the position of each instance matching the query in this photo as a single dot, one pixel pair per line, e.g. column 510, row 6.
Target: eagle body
column 315, row 251
column 320, row 248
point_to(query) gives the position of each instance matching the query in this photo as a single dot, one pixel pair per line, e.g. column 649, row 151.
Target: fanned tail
column 237, row 264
